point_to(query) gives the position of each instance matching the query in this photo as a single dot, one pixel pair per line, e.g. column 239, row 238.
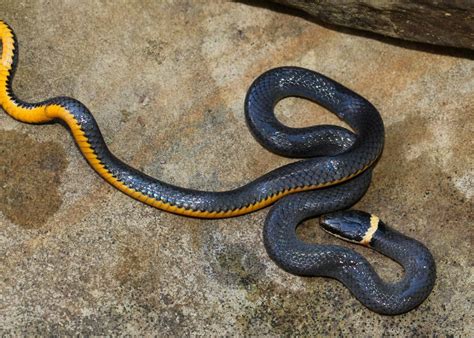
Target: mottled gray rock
column 447, row 23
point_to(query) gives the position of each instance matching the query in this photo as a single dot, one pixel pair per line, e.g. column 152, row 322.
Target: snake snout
column 350, row 225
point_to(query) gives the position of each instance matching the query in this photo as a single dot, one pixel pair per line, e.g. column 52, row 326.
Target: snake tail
column 335, row 154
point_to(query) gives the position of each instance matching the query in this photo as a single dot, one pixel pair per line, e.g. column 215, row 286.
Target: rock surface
column 446, row 23
column 166, row 82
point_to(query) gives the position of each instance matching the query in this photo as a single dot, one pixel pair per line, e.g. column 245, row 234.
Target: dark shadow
column 419, row 46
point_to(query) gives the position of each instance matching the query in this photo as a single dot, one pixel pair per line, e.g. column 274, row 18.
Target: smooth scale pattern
column 335, row 173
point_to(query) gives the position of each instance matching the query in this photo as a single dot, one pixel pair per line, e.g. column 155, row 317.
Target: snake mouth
column 331, row 223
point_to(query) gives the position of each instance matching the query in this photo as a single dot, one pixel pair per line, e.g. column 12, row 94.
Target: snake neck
column 344, row 264
column 408, row 292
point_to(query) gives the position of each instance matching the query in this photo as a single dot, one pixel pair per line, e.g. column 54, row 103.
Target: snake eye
column 350, row 225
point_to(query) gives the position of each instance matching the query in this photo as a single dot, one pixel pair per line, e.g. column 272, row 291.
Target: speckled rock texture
column 447, row 23
column 166, row 82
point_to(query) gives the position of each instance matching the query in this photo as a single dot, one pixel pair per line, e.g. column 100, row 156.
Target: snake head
column 351, row 225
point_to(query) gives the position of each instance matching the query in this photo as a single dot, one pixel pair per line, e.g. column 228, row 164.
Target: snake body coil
column 338, row 165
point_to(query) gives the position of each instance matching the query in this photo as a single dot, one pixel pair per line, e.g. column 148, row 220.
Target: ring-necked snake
column 334, row 175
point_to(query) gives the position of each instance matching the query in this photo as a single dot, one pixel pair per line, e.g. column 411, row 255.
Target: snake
column 331, row 172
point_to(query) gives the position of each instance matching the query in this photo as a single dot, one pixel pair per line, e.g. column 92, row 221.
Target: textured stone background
column 445, row 23
column 166, row 83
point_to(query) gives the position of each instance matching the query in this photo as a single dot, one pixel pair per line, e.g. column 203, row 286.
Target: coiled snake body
column 334, row 176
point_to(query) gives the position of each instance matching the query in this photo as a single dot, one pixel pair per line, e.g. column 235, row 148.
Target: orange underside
column 47, row 113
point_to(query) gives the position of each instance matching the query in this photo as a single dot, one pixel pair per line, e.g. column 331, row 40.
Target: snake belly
column 333, row 172
column 337, row 154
